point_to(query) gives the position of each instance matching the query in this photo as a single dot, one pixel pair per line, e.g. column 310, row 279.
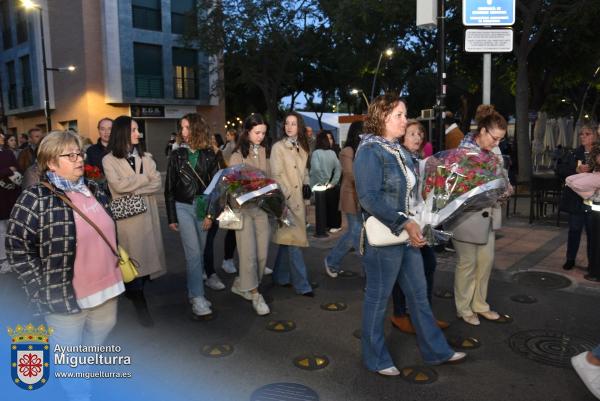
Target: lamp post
column 29, row 5
column 388, row 52
column 357, row 91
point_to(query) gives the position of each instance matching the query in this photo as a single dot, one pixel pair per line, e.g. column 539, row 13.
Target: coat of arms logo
column 30, row 355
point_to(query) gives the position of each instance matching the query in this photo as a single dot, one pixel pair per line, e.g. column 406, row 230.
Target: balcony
column 149, row 86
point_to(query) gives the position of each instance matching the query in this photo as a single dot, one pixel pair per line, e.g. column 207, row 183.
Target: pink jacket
column 584, row 184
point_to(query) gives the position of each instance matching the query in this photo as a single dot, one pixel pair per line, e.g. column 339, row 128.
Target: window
column 180, row 15
column 69, row 125
column 148, row 70
column 21, row 17
column 7, row 42
column 26, row 90
column 146, row 14
column 12, row 85
column 185, row 73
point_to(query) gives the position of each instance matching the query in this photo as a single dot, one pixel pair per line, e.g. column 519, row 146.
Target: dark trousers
column 209, row 249
column 229, row 244
column 577, row 221
column 332, row 202
column 429, row 264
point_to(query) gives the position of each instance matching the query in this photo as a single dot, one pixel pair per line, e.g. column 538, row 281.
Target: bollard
column 320, row 214
column 594, row 263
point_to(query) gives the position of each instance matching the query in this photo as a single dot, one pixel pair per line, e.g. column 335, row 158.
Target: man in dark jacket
column 27, row 156
column 96, row 152
column 576, row 162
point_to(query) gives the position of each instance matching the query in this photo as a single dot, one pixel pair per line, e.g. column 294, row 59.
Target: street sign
column 488, row 40
column 488, row 12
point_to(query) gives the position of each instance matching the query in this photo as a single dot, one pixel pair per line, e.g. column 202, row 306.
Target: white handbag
column 378, row 234
column 230, row 219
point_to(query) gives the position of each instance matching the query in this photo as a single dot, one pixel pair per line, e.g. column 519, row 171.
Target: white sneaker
column 335, row 230
column 259, row 304
column 391, row 371
column 589, row 374
column 235, row 288
column 457, row 357
column 228, row 266
column 214, row 283
column 330, row 272
column 200, row 306
column 268, row 271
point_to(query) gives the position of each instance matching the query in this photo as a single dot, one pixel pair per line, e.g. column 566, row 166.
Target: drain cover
column 357, row 333
column 281, row 326
column 464, row 342
column 311, row 362
column 418, row 374
column 284, row 392
column 217, row 350
column 443, row 293
column 334, row 306
column 524, row 299
column 347, row 274
column 549, row 281
column 548, row 347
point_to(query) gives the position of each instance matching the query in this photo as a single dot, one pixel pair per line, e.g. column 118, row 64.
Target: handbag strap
column 65, row 199
column 196, row 174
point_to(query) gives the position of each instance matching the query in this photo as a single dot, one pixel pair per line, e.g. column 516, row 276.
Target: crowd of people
column 376, row 173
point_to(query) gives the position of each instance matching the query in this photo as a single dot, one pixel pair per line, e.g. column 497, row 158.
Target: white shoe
column 259, row 304
column 330, row 272
column 471, row 319
column 201, row 306
column 268, row 271
column 589, row 374
column 228, row 266
column 235, row 288
column 214, row 283
column 457, row 357
column 391, row 371
column 335, row 230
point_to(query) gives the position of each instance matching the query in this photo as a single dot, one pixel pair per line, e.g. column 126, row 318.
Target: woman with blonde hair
column 131, row 171
column 386, row 182
column 289, row 158
column 189, row 212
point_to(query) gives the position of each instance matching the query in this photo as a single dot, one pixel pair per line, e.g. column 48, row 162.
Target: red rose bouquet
column 93, row 173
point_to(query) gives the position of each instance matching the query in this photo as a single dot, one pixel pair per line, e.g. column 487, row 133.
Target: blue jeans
column 289, row 266
column 385, row 266
column 193, row 239
column 577, row 221
column 429, row 264
column 350, row 239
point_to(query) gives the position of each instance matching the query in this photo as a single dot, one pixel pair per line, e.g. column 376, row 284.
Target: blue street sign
column 488, row 12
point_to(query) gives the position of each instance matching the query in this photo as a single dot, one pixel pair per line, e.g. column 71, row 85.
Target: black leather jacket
column 182, row 185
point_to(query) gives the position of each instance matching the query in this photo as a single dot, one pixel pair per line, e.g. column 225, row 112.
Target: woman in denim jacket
column 384, row 176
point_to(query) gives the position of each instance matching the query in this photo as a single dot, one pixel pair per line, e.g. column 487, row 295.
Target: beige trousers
column 473, row 269
column 253, row 247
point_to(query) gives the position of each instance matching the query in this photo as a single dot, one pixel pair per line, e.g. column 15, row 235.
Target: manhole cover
column 548, row 281
column 443, row 293
column 284, row 392
column 347, row 274
column 524, row 299
column 311, row 362
column 334, row 306
column 217, row 350
column 281, row 326
column 548, row 347
column 418, row 374
column 464, row 342
column 357, row 333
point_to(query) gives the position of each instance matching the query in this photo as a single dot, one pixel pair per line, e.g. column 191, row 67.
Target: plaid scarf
column 69, row 186
column 470, row 143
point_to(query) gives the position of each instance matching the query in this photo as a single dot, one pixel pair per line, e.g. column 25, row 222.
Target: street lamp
column 389, row 53
column 355, row 92
column 30, row 5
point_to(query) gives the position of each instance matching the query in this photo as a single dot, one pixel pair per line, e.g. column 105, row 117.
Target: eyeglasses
column 73, row 156
column 496, row 139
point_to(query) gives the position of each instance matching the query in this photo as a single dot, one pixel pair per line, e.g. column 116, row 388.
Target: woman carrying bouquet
column 385, row 181
column 190, row 169
column 473, row 236
column 253, row 238
column 288, row 167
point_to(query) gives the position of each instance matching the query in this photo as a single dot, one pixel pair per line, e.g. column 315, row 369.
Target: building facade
column 130, row 59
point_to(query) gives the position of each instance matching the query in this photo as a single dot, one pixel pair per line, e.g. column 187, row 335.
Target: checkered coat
column 41, row 246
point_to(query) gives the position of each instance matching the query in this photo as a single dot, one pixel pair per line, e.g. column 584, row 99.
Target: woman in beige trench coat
column 288, row 167
column 129, row 170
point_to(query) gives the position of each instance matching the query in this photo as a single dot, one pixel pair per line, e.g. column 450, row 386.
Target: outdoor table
column 541, row 183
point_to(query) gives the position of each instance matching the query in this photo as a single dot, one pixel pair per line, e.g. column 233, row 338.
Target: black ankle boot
column 569, row 264
column 141, row 307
